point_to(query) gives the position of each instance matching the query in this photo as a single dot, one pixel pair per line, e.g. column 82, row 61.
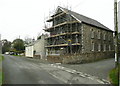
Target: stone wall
column 53, row 58
column 87, row 57
column 87, row 40
column 82, row 57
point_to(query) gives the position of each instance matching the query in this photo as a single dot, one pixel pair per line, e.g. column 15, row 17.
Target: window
column 104, row 47
column 99, row 34
column 92, row 34
column 99, row 47
column 109, row 37
column 93, row 46
column 76, row 38
column 104, row 36
column 109, row 48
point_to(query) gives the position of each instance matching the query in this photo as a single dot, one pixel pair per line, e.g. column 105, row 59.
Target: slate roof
column 85, row 19
column 32, row 43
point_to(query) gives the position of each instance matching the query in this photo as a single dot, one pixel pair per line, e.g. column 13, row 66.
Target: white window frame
column 109, row 47
column 93, row 46
column 99, row 34
column 76, row 40
column 109, row 37
column 104, row 47
column 92, row 34
column 104, row 36
column 99, row 47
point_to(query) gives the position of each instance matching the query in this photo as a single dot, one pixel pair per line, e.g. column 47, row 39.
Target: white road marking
column 102, row 81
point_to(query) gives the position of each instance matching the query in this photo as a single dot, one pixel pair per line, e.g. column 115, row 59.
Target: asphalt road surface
column 99, row 69
column 21, row 70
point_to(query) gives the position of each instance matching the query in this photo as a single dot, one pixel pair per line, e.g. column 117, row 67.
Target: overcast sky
column 25, row 18
column 119, row 16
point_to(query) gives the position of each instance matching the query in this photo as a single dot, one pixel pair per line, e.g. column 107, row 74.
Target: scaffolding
column 65, row 35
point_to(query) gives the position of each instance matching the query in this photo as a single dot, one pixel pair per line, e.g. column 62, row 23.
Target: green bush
column 113, row 75
column 1, row 74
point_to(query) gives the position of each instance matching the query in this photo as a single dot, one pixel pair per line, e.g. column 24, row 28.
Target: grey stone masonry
column 75, row 38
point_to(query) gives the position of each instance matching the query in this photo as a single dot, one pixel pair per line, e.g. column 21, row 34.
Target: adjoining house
column 36, row 49
column 77, row 38
column 29, row 50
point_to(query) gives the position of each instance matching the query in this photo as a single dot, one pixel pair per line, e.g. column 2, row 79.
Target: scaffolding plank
column 70, row 22
column 63, row 34
column 52, row 18
column 62, row 45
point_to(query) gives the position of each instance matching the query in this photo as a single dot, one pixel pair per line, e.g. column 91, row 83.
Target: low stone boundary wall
column 81, row 58
column 87, row 57
column 53, row 58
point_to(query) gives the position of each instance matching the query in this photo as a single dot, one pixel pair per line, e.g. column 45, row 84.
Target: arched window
column 109, row 48
column 92, row 33
column 99, row 47
column 93, row 46
column 104, row 47
column 104, row 36
column 99, row 34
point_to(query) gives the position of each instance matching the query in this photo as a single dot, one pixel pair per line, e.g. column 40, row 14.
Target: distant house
column 36, row 49
column 77, row 38
column 29, row 50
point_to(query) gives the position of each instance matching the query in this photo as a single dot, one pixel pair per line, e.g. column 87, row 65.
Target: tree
column 18, row 45
column 39, row 38
column 28, row 40
column 6, row 45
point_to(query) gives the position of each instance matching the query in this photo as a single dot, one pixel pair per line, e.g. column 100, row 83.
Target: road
column 21, row 70
column 99, row 69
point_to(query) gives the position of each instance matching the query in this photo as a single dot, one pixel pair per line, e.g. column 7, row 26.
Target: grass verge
column 114, row 76
column 1, row 58
column 1, row 74
column 17, row 55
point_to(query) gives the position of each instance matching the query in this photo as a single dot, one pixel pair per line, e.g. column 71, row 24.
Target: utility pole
column 116, row 33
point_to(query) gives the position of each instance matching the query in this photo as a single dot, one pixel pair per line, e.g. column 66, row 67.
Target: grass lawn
column 113, row 75
column 1, row 77
column 1, row 57
column 17, row 55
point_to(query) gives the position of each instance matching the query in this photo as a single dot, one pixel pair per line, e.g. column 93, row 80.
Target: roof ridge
column 86, row 19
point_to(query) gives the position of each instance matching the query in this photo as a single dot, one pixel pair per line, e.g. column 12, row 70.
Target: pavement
column 21, row 70
column 99, row 69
